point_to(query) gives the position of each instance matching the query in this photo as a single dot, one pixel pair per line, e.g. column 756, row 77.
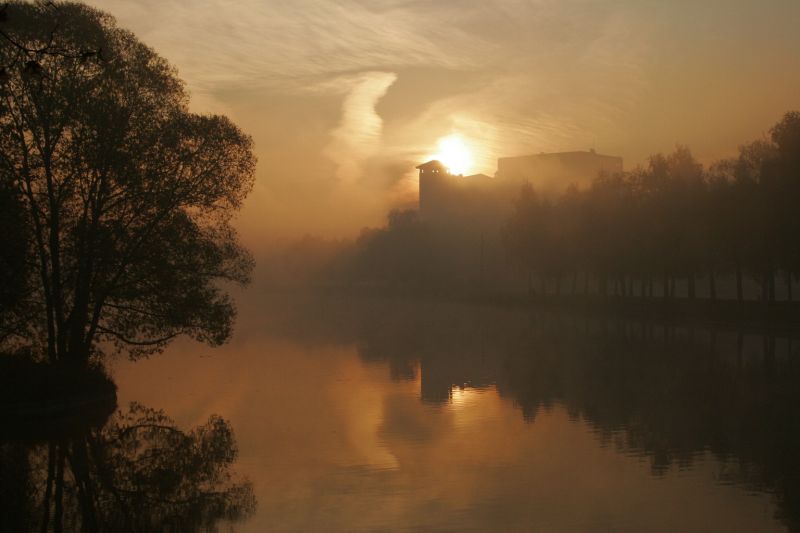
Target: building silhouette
column 483, row 201
column 469, row 211
column 446, row 197
column 553, row 173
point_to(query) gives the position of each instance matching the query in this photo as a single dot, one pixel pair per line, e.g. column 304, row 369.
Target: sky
column 344, row 97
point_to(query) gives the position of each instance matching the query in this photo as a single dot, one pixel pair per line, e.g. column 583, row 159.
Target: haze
column 344, row 98
column 387, row 265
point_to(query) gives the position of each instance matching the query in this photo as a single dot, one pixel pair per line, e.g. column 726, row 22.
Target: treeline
column 638, row 233
column 404, row 252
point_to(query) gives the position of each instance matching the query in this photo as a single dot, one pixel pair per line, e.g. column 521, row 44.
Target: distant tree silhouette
column 674, row 220
column 524, row 243
column 406, row 251
column 784, row 170
column 127, row 196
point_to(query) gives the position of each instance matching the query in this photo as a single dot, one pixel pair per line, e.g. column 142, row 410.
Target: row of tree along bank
column 638, row 233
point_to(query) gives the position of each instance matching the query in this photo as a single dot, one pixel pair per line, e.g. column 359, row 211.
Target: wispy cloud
column 527, row 75
column 268, row 43
column 532, row 54
column 357, row 136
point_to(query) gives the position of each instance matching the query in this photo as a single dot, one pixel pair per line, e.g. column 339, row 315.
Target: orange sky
column 344, row 98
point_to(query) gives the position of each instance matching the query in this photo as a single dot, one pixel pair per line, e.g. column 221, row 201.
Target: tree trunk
column 769, row 351
column 666, row 287
column 771, row 285
column 739, row 346
column 690, row 282
column 58, row 514
column 712, row 285
column 789, row 285
column 51, row 471
column 83, row 481
column 739, row 288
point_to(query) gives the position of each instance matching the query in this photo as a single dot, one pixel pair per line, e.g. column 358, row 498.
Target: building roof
column 432, row 164
column 561, row 155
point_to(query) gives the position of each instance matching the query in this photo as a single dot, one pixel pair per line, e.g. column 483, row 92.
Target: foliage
column 672, row 219
column 406, row 251
column 127, row 196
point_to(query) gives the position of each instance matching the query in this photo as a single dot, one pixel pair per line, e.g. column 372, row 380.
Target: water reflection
column 134, row 471
column 670, row 394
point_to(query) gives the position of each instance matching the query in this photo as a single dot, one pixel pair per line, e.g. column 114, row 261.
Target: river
column 365, row 414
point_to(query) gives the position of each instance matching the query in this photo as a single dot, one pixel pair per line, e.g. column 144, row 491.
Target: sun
column 454, row 154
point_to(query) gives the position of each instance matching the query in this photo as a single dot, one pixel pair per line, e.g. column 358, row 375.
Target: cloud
column 543, row 66
column 358, row 135
column 253, row 43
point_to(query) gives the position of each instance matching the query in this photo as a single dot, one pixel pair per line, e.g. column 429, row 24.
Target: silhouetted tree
column 524, row 233
column 13, row 261
column 406, row 251
column 672, row 219
column 784, row 170
column 127, row 195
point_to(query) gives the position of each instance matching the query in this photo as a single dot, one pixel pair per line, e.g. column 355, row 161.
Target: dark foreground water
column 399, row 415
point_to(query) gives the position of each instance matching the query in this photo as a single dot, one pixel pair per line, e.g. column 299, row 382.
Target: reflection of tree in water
column 667, row 393
column 138, row 473
column 672, row 398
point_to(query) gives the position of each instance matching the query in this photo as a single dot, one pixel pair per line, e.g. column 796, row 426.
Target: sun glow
column 454, row 154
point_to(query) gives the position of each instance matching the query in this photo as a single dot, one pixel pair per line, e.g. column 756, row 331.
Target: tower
column 432, row 176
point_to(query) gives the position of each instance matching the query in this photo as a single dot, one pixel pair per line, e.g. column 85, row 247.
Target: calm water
column 384, row 415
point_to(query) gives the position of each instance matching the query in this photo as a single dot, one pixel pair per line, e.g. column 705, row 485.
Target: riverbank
column 39, row 399
column 779, row 318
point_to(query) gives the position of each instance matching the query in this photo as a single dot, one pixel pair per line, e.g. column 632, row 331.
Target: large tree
column 127, row 195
